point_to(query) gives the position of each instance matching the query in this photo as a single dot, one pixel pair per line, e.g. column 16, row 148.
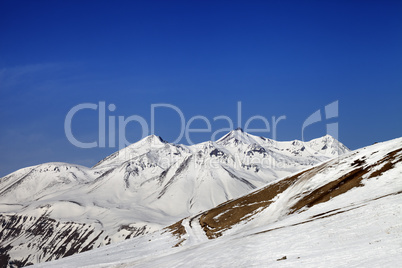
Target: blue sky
column 276, row 57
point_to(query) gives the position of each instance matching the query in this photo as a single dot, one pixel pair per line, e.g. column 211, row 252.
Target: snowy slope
column 344, row 212
column 141, row 188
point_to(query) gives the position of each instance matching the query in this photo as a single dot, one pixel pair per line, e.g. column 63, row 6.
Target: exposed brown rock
column 222, row 217
column 177, row 229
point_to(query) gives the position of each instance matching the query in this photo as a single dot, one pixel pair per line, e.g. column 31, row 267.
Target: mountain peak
column 237, row 135
column 151, row 139
column 155, row 138
column 324, row 139
column 328, row 137
column 328, row 145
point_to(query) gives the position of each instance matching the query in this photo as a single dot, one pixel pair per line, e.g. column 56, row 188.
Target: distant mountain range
column 54, row 210
column 345, row 212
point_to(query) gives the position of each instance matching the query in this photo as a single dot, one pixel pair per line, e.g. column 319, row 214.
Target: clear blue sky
column 276, row 57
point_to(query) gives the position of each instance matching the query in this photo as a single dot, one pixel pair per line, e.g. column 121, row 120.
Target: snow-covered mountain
column 343, row 212
column 56, row 209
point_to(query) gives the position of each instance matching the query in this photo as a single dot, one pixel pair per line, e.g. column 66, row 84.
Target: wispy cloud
column 12, row 77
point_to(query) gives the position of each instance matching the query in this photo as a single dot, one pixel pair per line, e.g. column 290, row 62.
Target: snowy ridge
column 344, row 212
column 141, row 188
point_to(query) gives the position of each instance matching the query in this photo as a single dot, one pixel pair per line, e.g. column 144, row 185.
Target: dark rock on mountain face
column 216, row 153
column 53, row 239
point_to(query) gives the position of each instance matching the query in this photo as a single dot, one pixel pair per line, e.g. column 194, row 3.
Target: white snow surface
column 151, row 184
column 359, row 228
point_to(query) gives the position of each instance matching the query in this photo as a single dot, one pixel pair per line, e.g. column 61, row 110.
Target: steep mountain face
column 141, row 188
column 343, row 212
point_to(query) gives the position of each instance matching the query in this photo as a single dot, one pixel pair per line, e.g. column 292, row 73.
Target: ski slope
column 343, row 212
